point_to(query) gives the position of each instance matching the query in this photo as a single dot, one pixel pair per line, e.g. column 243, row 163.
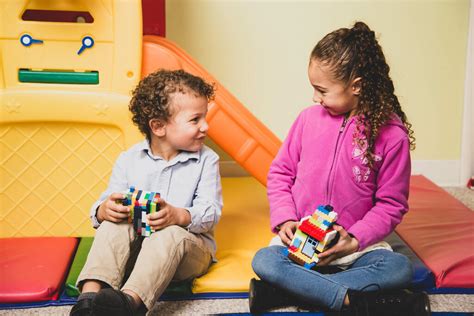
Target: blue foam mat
column 64, row 299
column 337, row 313
column 449, row 290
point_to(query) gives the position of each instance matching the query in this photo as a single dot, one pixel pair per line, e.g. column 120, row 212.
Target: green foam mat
column 175, row 289
column 77, row 265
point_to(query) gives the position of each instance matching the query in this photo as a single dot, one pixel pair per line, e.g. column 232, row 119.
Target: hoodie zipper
column 336, row 151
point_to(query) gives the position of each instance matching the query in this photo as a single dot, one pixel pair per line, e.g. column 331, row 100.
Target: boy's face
column 187, row 127
column 333, row 95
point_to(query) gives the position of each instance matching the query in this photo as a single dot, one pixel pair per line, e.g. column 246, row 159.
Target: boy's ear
column 157, row 127
column 357, row 86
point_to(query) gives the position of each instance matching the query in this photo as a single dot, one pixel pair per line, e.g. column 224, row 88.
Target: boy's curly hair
column 355, row 52
column 152, row 97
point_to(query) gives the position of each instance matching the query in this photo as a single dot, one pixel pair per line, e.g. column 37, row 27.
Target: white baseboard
column 442, row 172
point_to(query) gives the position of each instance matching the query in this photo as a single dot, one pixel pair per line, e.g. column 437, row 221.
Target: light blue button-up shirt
column 191, row 180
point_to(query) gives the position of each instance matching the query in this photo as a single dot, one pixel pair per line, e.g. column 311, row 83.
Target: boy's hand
column 168, row 215
column 287, row 229
column 345, row 246
column 112, row 210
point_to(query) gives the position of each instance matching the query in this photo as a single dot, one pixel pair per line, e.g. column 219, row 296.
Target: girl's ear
column 356, row 86
column 157, row 127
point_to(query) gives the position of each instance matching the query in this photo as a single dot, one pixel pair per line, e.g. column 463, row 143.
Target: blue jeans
column 378, row 269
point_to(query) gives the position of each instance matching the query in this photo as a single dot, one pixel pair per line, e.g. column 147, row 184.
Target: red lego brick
column 312, row 230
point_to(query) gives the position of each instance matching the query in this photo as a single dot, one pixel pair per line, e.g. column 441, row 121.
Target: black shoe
column 389, row 303
column 110, row 302
column 82, row 308
column 263, row 296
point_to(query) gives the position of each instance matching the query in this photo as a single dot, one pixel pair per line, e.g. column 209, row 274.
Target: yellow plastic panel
column 243, row 229
column 56, row 154
column 116, row 53
column 37, row 56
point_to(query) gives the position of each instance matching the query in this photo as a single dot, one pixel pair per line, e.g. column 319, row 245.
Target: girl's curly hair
column 152, row 97
column 353, row 53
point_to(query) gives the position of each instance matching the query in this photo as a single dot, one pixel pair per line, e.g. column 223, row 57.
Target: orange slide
column 231, row 126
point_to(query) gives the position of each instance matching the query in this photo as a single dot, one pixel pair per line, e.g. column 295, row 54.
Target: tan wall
column 259, row 51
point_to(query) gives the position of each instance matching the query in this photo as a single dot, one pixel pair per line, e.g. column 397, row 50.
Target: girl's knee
column 258, row 259
column 264, row 258
column 405, row 267
column 401, row 269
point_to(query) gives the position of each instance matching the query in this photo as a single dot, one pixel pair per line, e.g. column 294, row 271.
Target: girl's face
column 335, row 96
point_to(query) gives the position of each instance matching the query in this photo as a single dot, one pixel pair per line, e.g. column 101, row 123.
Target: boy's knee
column 111, row 228
column 173, row 233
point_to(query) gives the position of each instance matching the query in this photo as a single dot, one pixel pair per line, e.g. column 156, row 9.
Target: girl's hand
column 287, row 229
column 168, row 215
column 112, row 210
column 345, row 246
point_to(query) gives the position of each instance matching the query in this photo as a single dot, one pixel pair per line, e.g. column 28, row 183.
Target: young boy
column 169, row 108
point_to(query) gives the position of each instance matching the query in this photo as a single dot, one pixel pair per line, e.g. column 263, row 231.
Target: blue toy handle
column 26, row 40
column 87, row 42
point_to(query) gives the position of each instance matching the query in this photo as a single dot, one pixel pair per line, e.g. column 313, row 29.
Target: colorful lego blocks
column 144, row 203
column 313, row 236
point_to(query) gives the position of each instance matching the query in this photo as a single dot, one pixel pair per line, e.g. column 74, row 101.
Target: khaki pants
column 169, row 254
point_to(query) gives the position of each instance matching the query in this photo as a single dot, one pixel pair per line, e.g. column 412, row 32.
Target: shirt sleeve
column 117, row 183
column 391, row 197
column 206, row 209
column 282, row 175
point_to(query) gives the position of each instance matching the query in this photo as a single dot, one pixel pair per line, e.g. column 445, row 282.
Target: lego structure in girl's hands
column 314, row 235
column 144, row 203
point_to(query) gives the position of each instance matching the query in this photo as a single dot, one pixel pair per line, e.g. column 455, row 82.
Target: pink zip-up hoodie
column 319, row 163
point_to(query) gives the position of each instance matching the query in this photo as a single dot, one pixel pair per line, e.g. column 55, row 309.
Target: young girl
column 352, row 151
column 169, row 108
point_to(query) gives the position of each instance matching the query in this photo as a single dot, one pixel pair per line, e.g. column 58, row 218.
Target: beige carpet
column 439, row 303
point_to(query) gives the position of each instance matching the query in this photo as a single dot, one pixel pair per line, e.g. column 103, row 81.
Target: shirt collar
column 183, row 156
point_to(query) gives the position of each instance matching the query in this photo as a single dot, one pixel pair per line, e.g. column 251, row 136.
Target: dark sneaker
column 82, row 308
column 110, row 302
column 389, row 303
column 263, row 296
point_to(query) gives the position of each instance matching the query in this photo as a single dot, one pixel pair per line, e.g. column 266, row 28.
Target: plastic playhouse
column 66, row 72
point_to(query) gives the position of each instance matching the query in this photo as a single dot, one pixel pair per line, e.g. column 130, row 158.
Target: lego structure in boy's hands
column 144, row 203
column 314, row 235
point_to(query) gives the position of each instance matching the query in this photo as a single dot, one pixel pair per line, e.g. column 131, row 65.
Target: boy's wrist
column 184, row 218
column 98, row 216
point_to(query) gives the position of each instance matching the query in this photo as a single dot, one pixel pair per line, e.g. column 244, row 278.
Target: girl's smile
column 336, row 97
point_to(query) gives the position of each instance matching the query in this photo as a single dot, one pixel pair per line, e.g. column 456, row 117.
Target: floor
column 439, row 303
